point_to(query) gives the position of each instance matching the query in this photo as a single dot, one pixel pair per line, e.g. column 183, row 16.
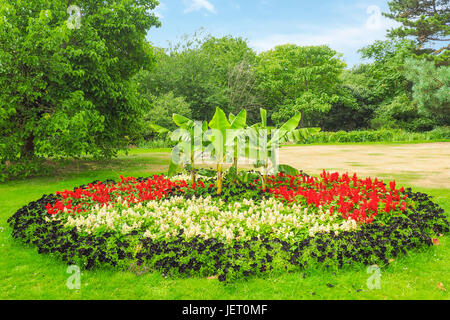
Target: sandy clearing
column 426, row 165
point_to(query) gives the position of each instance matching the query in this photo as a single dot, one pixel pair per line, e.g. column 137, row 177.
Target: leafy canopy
column 427, row 21
column 66, row 92
column 299, row 79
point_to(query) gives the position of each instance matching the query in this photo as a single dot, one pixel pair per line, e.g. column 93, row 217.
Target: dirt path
column 426, row 165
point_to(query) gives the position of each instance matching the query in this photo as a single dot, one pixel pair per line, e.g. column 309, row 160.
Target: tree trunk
column 28, row 148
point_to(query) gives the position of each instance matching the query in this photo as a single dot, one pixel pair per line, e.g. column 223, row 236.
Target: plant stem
column 192, row 176
column 219, row 178
column 235, row 161
column 264, row 178
column 192, row 168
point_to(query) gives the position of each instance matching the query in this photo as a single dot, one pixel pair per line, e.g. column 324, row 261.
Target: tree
column 391, row 83
column 163, row 108
column 64, row 88
column 349, row 112
column 198, row 68
column 242, row 90
column 431, row 89
column 238, row 138
column 299, row 79
column 402, row 113
column 385, row 75
column 425, row 20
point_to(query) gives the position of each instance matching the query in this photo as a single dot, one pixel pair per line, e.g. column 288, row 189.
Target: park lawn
column 25, row 274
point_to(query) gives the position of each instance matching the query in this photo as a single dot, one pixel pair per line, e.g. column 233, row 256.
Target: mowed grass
column 25, row 274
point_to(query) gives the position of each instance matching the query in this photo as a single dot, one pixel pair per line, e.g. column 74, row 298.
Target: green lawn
column 25, row 274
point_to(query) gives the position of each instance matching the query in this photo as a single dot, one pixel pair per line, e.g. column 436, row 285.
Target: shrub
column 382, row 135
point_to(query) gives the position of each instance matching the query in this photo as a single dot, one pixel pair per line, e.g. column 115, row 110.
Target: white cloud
column 159, row 10
column 344, row 39
column 197, row 5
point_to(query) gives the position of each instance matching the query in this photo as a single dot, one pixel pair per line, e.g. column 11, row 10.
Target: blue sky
column 345, row 25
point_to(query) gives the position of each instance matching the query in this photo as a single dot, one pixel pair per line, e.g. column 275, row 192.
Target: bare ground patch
column 420, row 164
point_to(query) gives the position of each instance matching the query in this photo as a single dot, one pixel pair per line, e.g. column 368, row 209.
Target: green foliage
column 199, row 69
column 426, row 21
column 355, row 107
column 238, row 137
column 265, row 140
column 300, row 135
column 164, row 106
column 401, row 113
column 382, row 135
column 190, row 143
column 66, row 92
column 299, row 79
column 384, row 78
column 404, row 92
column 222, row 136
column 284, row 168
column 431, row 89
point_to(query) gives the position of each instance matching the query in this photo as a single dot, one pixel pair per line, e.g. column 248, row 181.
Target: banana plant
column 238, row 137
column 190, row 143
column 265, row 140
column 220, row 137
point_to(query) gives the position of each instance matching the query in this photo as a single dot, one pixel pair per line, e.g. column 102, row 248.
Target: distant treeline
column 93, row 87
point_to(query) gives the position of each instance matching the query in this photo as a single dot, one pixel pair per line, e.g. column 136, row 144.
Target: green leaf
column 207, row 173
column 239, row 122
column 292, row 123
column 219, row 121
column 173, row 168
column 158, row 129
column 284, row 168
column 205, row 126
column 181, row 121
column 263, row 113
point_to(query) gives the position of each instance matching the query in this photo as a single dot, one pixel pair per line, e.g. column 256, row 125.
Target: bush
column 22, row 169
column 401, row 113
column 157, row 143
column 382, row 135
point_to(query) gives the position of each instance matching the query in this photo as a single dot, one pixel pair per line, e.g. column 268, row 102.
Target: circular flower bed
column 180, row 228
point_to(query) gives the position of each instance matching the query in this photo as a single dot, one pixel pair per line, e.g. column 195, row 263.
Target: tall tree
column 431, row 89
column 385, row 75
column 390, row 90
column 428, row 21
column 242, row 89
column 64, row 80
column 299, row 79
column 198, row 68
